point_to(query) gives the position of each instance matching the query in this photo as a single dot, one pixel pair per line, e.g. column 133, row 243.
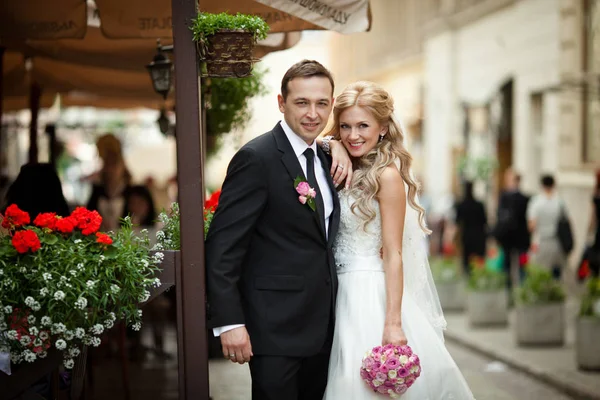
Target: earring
column 381, row 138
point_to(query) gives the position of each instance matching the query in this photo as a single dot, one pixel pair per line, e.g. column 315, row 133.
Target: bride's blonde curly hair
column 368, row 168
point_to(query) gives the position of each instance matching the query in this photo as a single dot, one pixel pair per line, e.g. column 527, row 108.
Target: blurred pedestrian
column 471, row 220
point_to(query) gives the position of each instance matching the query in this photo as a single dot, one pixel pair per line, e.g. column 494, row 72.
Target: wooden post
column 192, row 340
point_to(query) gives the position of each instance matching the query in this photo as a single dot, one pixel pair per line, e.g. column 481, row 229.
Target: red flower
column 45, row 220
column 103, row 238
column 523, row 259
column 14, row 217
column 213, row 201
column 25, row 241
column 88, row 221
column 66, row 225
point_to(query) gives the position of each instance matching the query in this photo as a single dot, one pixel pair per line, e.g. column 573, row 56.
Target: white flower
column 139, row 313
column 46, row 321
column 160, row 235
column 115, row 289
column 74, row 352
column 90, row 284
column 59, row 295
column 102, row 258
column 58, row 328
column 96, row 342
column 79, row 333
column 97, row 329
column 60, row 344
column 158, row 246
column 145, row 263
column 47, row 276
column 87, row 340
column 77, row 241
column 7, row 309
column 42, row 354
column 29, row 301
column 81, row 303
column 15, row 357
column 69, row 335
column 1, row 272
column 29, row 356
column 44, row 335
column 112, row 316
column 69, row 363
column 109, row 323
column 158, row 257
column 23, row 270
column 44, row 292
column 33, row 331
column 156, row 283
column 137, row 326
column 25, row 340
column 73, row 272
column 144, row 297
column 38, row 342
column 3, row 326
column 31, row 319
column 8, row 282
column 12, row 335
column 64, row 279
column 80, row 266
column 36, row 306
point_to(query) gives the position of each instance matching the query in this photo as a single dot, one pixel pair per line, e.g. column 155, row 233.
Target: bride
column 386, row 293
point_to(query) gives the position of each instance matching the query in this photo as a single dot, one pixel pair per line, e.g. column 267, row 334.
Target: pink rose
column 303, row 189
column 312, row 193
column 302, row 199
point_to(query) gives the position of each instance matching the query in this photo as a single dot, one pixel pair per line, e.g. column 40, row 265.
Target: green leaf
column 49, row 239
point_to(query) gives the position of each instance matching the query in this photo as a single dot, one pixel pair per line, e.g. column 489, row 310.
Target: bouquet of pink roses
column 390, row 369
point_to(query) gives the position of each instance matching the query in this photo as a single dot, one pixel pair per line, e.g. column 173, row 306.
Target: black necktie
column 312, row 181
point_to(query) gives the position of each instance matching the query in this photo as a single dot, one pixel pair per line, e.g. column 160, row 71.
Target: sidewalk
column 554, row 366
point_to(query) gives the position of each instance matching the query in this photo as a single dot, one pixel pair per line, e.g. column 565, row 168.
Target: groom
column 271, row 275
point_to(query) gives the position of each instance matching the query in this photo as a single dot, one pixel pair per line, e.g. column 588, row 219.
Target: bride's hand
column 393, row 334
column 341, row 165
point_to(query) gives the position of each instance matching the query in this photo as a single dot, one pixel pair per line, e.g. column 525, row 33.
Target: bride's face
column 359, row 131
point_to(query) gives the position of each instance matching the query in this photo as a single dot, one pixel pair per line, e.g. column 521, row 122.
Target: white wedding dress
column 360, row 311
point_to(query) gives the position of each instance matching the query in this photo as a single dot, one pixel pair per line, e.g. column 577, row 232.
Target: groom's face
column 307, row 106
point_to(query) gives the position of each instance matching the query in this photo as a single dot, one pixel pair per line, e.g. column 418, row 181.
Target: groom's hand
column 236, row 345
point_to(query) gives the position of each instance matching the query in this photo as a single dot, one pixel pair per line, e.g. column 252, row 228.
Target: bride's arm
column 341, row 165
column 392, row 203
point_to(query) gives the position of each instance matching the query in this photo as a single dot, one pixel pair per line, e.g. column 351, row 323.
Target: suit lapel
column 292, row 165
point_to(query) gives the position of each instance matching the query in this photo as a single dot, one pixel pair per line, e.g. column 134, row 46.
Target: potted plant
column 587, row 346
column 450, row 285
column 540, row 309
column 487, row 300
column 63, row 283
column 225, row 42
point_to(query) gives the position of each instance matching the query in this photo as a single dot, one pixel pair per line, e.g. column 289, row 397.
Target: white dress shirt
column 300, row 146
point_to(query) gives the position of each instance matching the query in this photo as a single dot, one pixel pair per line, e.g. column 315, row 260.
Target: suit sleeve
column 243, row 197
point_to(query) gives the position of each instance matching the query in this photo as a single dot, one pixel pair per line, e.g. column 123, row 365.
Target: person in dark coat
column 36, row 190
column 511, row 230
column 472, row 222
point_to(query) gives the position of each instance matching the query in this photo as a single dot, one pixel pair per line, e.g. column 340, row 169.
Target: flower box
column 487, row 307
column 587, row 344
column 453, row 295
column 540, row 324
column 225, row 42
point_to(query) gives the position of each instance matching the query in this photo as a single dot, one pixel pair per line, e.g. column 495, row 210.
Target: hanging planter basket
column 225, row 43
column 227, row 54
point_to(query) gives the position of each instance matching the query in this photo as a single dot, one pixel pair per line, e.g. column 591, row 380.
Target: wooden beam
column 192, row 333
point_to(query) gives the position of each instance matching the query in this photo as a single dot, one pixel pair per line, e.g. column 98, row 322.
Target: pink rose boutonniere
column 306, row 193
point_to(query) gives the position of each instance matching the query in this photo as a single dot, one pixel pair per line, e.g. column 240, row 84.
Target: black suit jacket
column 515, row 204
column 269, row 264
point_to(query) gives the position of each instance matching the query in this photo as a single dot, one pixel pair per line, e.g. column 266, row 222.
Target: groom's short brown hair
column 305, row 69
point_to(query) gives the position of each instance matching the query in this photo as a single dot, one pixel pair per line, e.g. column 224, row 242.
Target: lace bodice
column 352, row 238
